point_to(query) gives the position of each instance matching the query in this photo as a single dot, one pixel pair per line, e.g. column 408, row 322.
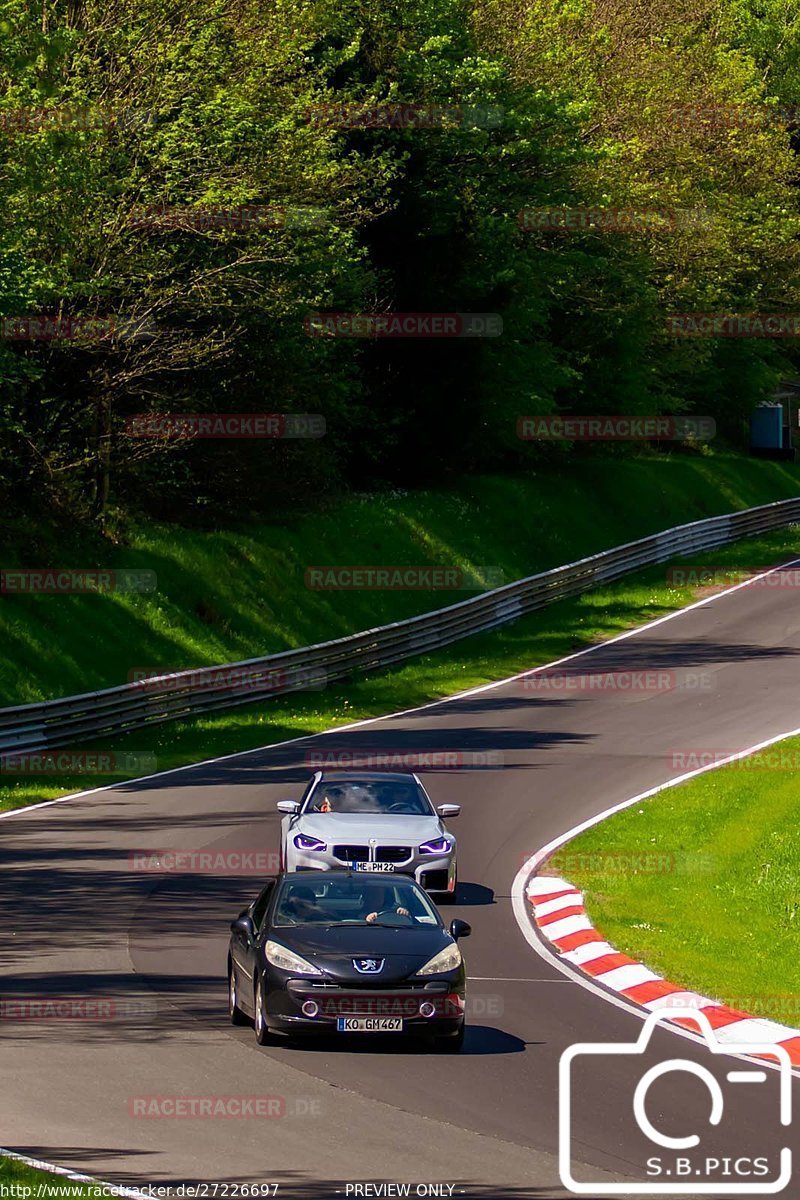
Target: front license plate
column 369, row 1024
column 373, row 866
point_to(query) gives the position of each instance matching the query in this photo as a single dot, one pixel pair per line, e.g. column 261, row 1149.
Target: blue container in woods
column 766, row 427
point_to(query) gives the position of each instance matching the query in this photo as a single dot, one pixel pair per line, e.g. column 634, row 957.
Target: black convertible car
column 346, row 952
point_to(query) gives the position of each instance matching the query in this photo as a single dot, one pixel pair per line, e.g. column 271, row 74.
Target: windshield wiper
column 338, row 924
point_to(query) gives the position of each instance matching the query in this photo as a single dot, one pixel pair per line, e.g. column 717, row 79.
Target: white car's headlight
column 446, row 960
column 286, row 960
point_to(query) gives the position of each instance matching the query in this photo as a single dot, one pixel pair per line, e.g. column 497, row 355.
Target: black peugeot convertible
column 346, row 952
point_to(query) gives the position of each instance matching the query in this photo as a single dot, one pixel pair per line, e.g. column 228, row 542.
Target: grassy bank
column 234, row 594
column 722, row 915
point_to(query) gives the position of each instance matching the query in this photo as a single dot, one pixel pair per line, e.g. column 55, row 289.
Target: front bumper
column 433, row 872
column 284, row 1006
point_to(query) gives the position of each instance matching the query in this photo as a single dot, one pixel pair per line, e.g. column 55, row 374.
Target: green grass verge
column 539, row 638
column 721, row 914
column 25, row 1183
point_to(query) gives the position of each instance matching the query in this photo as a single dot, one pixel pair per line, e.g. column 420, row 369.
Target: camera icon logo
column 687, row 1175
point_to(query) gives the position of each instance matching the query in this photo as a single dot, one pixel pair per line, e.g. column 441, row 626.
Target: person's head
column 302, row 900
column 378, row 898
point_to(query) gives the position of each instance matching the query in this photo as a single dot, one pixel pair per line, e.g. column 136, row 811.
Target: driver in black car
column 382, row 901
column 303, row 904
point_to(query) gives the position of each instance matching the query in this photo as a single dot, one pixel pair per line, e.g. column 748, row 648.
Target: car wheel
column 451, row 1044
column 234, row 1012
column 260, row 1022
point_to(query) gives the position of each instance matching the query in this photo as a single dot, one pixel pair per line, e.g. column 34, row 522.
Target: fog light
column 426, row 1009
column 310, row 1008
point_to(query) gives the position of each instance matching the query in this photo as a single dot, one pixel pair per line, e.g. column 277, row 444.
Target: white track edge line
column 485, row 687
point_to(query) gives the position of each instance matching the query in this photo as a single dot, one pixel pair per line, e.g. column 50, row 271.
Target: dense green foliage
column 217, row 104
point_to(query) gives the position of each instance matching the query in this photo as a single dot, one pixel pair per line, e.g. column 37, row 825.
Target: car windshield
column 353, row 901
column 363, row 796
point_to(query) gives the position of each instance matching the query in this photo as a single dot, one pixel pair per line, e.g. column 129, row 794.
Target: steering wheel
column 391, row 912
column 396, row 806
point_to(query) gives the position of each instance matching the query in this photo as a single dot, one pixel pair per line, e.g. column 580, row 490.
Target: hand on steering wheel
column 390, row 912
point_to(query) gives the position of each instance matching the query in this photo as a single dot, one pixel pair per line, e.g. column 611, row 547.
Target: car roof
column 367, row 777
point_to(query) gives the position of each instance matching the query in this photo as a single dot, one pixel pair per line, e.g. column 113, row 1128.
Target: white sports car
column 371, row 821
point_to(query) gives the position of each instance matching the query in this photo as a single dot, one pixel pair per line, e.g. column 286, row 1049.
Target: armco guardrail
column 32, row 727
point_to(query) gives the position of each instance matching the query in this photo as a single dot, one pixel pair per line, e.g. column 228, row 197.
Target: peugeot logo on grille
column 368, row 966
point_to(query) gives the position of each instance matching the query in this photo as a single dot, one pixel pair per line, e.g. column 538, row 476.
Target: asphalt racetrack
column 148, row 949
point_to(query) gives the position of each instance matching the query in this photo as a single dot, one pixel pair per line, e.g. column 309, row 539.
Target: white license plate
column 373, row 866
column 369, row 1024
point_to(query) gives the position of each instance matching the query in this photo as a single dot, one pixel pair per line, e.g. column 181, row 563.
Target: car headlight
column 304, row 842
column 436, row 846
column 287, row 960
column 446, row 960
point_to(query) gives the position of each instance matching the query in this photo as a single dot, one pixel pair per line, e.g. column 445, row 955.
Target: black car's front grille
column 387, row 1000
column 392, row 854
column 351, row 853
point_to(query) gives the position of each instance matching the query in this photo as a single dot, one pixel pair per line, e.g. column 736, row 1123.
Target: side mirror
column 288, row 806
column 245, row 926
column 448, row 810
column 459, row 929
